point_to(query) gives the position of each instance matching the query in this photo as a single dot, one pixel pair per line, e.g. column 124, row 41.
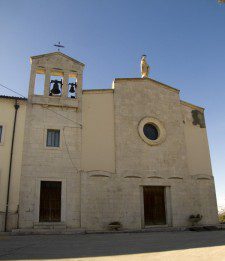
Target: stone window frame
column 3, row 134
column 159, row 126
column 168, row 204
column 55, row 134
column 50, row 127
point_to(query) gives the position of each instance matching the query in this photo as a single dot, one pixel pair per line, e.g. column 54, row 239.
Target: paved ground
column 130, row 246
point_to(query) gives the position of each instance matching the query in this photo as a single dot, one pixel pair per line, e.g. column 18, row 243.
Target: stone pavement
column 172, row 246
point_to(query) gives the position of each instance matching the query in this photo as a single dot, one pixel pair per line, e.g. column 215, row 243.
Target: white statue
column 144, row 67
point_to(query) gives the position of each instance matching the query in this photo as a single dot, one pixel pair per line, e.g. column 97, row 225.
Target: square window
column 1, row 130
column 53, row 138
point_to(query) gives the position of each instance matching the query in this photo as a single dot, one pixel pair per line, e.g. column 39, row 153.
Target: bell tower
column 56, row 79
column 52, row 143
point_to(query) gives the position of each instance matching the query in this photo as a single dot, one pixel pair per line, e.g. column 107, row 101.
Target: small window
column 53, row 138
column 150, row 131
column 1, row 129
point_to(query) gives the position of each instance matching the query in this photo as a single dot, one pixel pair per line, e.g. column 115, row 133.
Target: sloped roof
column 57, row 53
column 12, row 97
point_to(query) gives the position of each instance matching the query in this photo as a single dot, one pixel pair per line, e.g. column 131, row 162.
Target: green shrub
column 222, row 217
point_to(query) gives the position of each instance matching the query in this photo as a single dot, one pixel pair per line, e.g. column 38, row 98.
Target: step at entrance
column 50, row 225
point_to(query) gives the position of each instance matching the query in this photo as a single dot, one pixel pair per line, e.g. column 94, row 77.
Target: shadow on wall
column 97, row 245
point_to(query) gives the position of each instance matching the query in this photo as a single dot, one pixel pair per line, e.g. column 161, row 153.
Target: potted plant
column 194, row 219
column 114, row 225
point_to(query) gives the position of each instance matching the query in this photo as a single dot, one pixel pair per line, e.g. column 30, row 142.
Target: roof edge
column 149, row 79
column 13, row 97
column 98, row 91
column 190, row 105
column 62, row 54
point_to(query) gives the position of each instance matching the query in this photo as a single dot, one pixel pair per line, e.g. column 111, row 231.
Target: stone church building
column 134, row 154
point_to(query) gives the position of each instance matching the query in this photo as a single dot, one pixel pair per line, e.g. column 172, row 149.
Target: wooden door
column 50, row 201
column 154, row 205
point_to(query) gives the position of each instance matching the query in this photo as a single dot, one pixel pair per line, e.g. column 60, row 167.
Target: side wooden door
column 50, row 201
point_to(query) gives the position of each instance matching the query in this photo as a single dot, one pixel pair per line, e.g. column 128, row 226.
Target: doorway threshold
column 50, row 225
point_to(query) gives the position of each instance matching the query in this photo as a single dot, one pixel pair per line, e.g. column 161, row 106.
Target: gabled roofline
column 148, row 79
column 58, row 53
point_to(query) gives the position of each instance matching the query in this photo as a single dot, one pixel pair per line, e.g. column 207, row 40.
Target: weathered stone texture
column 48, row 163
column 109, row 187
column 118, row 196
column 135, row 100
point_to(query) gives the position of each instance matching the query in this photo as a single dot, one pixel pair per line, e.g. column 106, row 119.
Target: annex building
column 81, row 159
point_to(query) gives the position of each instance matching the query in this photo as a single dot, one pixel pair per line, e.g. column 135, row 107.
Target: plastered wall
column 98, row 143
column 7, row 112
column 196, row 143
column 199, row 165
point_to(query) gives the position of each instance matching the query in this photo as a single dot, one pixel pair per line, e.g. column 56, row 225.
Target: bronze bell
column 55, row 89
column 72, row 87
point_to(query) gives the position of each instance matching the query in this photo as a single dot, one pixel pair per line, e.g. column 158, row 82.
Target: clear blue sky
column 184, row 41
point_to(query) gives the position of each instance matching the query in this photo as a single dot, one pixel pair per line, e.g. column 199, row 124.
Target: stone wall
column 61, row 163
column 118, row 196
column 103, row 161
column 45, row 163
column 135, row 99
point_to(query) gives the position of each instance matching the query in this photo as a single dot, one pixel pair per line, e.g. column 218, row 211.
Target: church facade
column 134, row 155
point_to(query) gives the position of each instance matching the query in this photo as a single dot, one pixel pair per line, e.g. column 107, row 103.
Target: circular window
column 152, row 131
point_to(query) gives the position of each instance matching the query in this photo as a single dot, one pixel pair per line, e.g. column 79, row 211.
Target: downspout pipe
column 16, row 106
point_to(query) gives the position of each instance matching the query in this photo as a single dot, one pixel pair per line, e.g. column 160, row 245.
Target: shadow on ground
column 97, row 245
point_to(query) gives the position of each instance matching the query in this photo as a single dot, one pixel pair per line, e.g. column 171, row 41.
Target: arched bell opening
column 56, row 83
column 39, row 83
column 72, row 85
